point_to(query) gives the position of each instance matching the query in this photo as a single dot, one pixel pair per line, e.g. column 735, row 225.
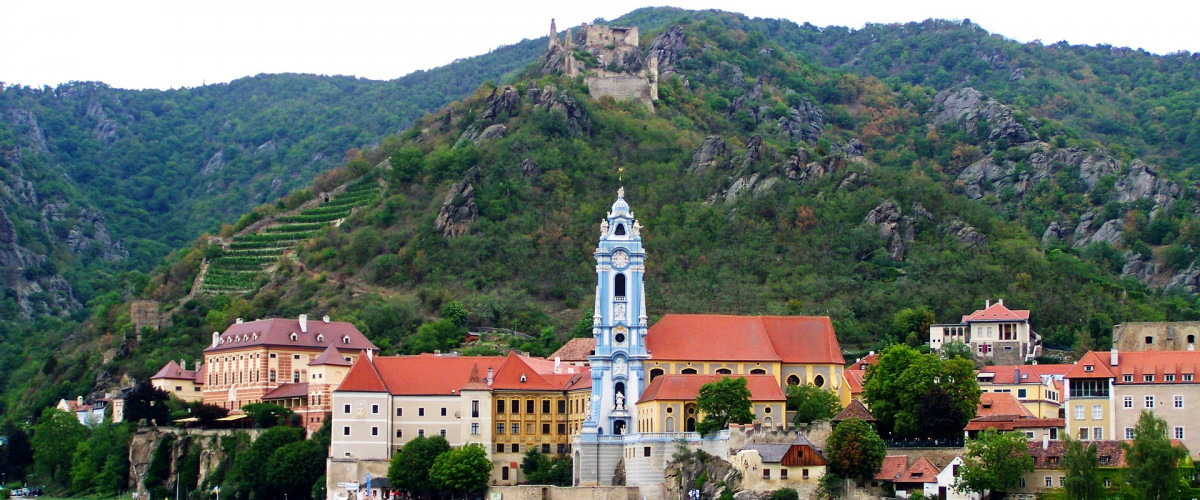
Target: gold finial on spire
column 620, row 174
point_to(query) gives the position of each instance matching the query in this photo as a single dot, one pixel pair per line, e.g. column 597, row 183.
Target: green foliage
column 455, row 313
column 293, row 469
column 410, row 468
column 461, row 470
column 267, row 414
column 1081, row 465
column 812, row 403
column 159, row 469
column 829, row 487
column 855, row 450
column 723, row 402
column 539, row 469
column 911, row 393
column 957, row 350
column 147, row 402
column 253, row 473
column 784, row 494
column 994, row 462
column 55, row 439
column 1153, row 462
column 911, row 325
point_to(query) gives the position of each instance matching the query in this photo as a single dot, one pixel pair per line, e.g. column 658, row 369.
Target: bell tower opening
column 619, row 286
column 620, row 231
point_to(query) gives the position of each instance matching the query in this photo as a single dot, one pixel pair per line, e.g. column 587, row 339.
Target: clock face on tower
column 620, row 259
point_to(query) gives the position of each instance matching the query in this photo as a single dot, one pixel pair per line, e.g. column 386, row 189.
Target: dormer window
column 294, row 336
column 255, row 335
column 1088, row 368
column 1148, row 378
column 321, row 338
column 1127, row 378
column 522, row 378
column 346, row 339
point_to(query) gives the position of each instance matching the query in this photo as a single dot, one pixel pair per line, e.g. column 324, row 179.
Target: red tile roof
column 997, row 312
column 893, row 466
column 429, row 374
column 532, row 374
column 277, row 332
column 921, row 471
column 855, row 409
column 1001, row 403
column 576, row 350
column 1156, row 363
column 1051, row 456
column 288, row 391
column 854, row 380
column 363, row 377
column 331, row 356
column 1091, row 365
column 1007, row 423
column 172, row 371
column 866, row 361
column 687, row 387
column 1030, row 374
column 714, row 337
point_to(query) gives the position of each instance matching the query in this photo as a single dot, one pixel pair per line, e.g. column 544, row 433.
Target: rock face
column 553, row 100
column 711, row 154
column 895, row 228
column 106, row 128
column 502, row 102
column 969, row 108
column 458, row 209
column 1188, row 279
column 967, row 236
column 715, row 476
column 1054, row 233
column 1138, row 267
column 803, row 123
column 1109, row 233
column 669, row 48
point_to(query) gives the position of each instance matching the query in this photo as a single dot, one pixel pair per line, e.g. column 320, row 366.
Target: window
column 500, row 428
column 1127, row 402
column 766, row 473
column 545, row 428
column 374, row 431
column 1089, row 388
column 1105, row 459
column 562, row 406
column 346, row 409
column 399, row 433
column 1127, row 378
column 1078, row 412
column 420, row 432
column 295, row 376
column 562, row 428
column 399, row 412
column 271, row 375
column 500, row 448
column 546, row 406
column 475, row 408
column 443, row 411
column 529, row 406
column 516, row 407
column 1098, row 433
column 516, row 428
column 1179, row 433
column 1083, row 433
column 1062, row 480
column 724, row 371
column 475, row 428
column 793, row 380
column 346, row 431
column 420, row 412
column 1020, row 482
column 655, row 372
column 442, row 432
column 1148, row 378
column 1021, row 393
column 516, row 448
column 1129, row 433
column 1179, row 401
column 1187, row 377
column 1049, row 481
column 1107, row 483
column 504, row 470
column 692, row 371
column 1097, row 412
column 374, row 409
column 1169, row 377
column 1149, row 401
column 620, row 285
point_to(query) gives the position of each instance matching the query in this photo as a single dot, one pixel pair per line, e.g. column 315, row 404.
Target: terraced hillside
column 240, row 267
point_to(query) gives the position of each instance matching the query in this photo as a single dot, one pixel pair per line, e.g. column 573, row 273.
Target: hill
column 768, row 181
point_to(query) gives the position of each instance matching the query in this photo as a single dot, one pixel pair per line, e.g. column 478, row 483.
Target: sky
column 186, row 43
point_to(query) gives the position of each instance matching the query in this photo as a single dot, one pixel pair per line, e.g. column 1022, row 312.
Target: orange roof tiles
column 533, row 374
column 714, row 337
column 1029, row 374
column 855, row 380
column 1138, row 364
column 687, row 387
column 855, row 409
column 1007, row 423
column 172, row 371
column 331, row 356
column 1091, row 365
column 429, row 374
column 576, row 350
column 997, row 312
column 1050, row 457
column 278, row 332
column 1001, row 403
column 921, row 471
column 893, row 466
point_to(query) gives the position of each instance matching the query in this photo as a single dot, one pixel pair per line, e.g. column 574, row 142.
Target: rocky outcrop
column 797, row 168
column 1055, row 233
column 1188, row 280
column 711, row 154
column 530, row 168
column 669, row 48
column 492, row 132
column 749, row 103
column 969, row 108
column 966, row 235
column 1109, row 233
column 896, row 229
column 458, row 208
column 1139, row 267
column 215, row 163
column 753, row 184
column 551, row 99
column 803, row 123
column 26, row 122
column 698, row 470
column 106, row 128
column 503, row 102
column 755, row 151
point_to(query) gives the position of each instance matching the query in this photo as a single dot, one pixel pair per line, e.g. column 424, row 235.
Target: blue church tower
column 619, row 324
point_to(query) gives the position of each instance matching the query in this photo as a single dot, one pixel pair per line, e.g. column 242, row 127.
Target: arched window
column 793, row 380
column 346, row 339
column 294, row 336
column 670, row 424
column 767, row 422
column 688, row 371
column 758, row 371
column 620, row 285
column 320, row 338
column 1191, row 339
column 724, row 371
column 620, row 231
column 819, row 381
column 655, row 372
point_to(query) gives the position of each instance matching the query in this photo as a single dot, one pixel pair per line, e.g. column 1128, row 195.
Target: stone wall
column 556, row 493
column 621, row 87
column 145, row 314
column 1163, row 336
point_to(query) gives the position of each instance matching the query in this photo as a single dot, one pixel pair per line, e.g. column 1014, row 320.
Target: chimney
column 1112, row 356
column 370, row 355
column 557, row 365
column 238, row 321
column 1000, row 301
column 182, row 364
column 987, row 303
column 303, row 323
column 79, row 400
column 325, row 318
column 198, row 362
column 1045, row 441
column 489, row 379
column 216, row 339
column 1016, row 375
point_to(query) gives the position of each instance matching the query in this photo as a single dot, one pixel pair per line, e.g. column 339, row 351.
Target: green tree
column 55, row 438
column 1081, row 464
column 957, row 350
column 829, row 487
column 440, row 335
column 409, row 469
column 911, row 325
column 407, row 164
column 462, row 470
column 722, row 402
column 1153, row 461
column 294, row 468
column 994, row 462
column 267, row 414
column 251, row 465
column 17, row 455
column 148, row 402
column 855, row 450
column 903, row 378
column 812, row 403
column 784, row 494
column 455, row 313
column 540, row 469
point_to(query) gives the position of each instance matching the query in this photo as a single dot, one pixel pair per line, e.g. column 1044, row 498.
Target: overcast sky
column 186, row 43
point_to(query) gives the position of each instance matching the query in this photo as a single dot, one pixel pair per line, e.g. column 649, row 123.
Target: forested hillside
column 774, row 175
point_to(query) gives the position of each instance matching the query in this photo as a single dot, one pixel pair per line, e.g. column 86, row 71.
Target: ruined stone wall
column 145, row 314
column 1162, row 336
column 621, row 88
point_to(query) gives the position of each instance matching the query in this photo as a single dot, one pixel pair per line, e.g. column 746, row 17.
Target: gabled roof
column 770, row 453
column 1050, row 457
column 893, row 466
column 532, row 374
column 856, row 409
column 331, row 357
column 288, row 391
column 1025, row 374
column 1138, row 364
column 1001, row 404
column 686, row 387
column 855, row 380
column 278, row 332
column 865, row 361
column 997, row 312
column 363, row 377
column 576, row 350
column 201, row 374
column 1091, row 365
column 172, row 371
column 716, row 337
column 921, row 471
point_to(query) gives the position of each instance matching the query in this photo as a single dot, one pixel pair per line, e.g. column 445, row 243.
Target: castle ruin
column 609, row 60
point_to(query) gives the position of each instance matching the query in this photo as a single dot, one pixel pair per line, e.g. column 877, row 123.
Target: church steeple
column 619, row 323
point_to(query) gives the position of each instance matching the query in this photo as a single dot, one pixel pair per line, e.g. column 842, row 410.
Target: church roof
column 278, row 332
column 716, row 337
column 687, row 387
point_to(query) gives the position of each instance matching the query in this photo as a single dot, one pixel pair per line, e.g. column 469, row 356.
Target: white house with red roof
column 994, row 333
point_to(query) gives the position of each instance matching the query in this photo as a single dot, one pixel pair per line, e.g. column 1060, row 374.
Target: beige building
column 1038, row 387
column 1106, row 393
column 994, row 333
column 179, row 381
column 669, row 403
column 769, row 467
